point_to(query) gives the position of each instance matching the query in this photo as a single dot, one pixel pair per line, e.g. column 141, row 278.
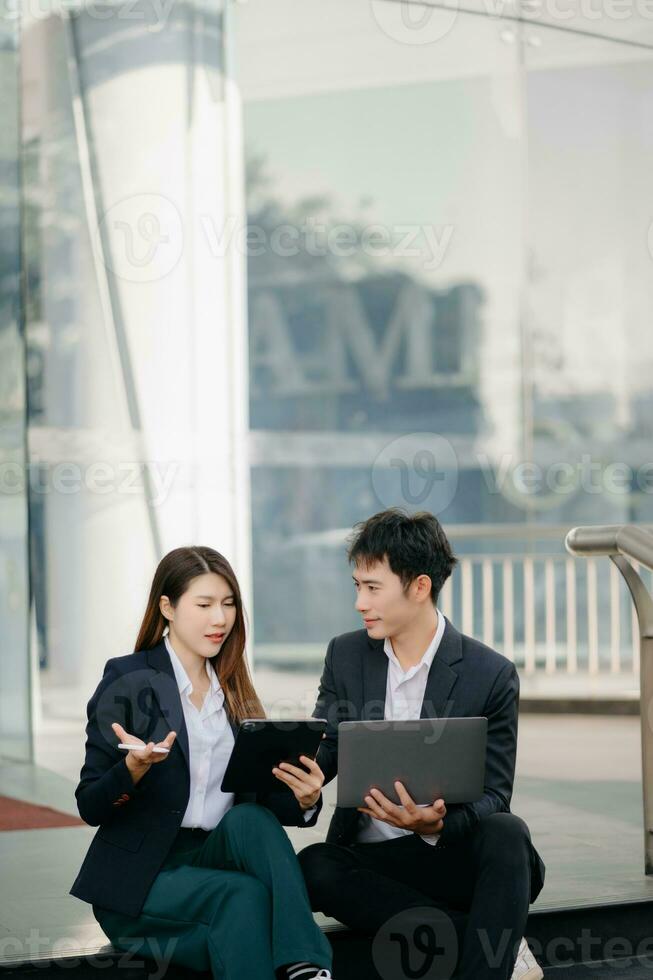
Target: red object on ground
column 20, row 815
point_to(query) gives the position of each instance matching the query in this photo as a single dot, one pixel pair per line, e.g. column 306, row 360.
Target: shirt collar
column 429, row 655
column 182, row 678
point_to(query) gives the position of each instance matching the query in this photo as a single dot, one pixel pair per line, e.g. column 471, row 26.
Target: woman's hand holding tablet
column 306, row 786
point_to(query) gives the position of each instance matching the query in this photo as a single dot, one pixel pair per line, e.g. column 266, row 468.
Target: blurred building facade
column 275, row 269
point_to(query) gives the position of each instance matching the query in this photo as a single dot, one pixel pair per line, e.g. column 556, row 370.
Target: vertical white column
column 158, row 362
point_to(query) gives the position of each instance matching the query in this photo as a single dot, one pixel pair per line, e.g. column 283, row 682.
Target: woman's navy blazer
column 138, row 823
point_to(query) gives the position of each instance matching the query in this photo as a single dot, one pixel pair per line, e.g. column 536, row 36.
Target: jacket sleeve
column 501, row 711
column 287, row 810
column 105, row 783
column 328, row 706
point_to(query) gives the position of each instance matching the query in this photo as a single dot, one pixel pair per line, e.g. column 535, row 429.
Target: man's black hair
column 415, row 544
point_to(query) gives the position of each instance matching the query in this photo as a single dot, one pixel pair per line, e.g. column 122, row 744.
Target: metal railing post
column 623, row 544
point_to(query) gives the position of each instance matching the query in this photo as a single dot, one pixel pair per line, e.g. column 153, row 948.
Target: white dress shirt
column 404, row 696
column 210, row 741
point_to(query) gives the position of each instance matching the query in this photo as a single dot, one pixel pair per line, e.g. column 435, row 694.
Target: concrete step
column 637, row 968
column 571, row 944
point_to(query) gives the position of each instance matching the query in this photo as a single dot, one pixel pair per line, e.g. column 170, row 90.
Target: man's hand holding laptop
column 408, row 815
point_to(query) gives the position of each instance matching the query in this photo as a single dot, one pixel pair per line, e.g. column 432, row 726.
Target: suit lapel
column 375, row 677
column 166, row 692
column 441, row 679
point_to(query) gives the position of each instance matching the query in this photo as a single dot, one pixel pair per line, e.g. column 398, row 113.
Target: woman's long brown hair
column 172, row 578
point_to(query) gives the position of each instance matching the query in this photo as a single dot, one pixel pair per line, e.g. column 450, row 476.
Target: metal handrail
column 624, row 544
column 612, row 539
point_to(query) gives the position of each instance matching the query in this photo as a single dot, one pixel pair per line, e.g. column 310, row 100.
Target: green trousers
column 232, row 901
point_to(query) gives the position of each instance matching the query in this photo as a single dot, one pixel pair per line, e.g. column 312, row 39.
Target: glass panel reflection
column 15, row 713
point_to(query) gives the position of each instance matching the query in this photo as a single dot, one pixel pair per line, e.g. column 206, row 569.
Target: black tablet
column 262, row 744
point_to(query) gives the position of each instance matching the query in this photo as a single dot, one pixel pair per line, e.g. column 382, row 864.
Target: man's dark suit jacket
column 466, row 679
column 138, row 823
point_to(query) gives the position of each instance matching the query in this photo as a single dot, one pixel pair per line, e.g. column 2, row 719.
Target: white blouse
column 210, row 741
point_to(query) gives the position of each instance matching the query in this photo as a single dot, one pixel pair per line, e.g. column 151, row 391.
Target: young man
column 476, row 861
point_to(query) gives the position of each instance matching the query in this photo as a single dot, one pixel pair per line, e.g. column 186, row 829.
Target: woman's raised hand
column 140, row 759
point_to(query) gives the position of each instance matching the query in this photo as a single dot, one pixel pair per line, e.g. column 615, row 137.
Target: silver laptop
column 435, row 758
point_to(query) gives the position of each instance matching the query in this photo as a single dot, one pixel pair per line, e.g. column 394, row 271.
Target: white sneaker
column 300, row 970
column 526, row 966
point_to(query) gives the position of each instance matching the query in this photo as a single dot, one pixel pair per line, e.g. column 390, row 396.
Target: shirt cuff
column 309, row 814
column 431, row 839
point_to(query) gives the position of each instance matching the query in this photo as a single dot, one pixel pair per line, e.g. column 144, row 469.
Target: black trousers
column 481, row 884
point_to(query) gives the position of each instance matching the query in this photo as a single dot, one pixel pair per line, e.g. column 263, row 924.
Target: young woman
column 178, row 867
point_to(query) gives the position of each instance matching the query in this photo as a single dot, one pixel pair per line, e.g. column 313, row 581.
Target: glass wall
column 589, row 288
column 588, row 363
column 15, row 709
column 135, row 330
column 443, row 220
column 449, row 287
